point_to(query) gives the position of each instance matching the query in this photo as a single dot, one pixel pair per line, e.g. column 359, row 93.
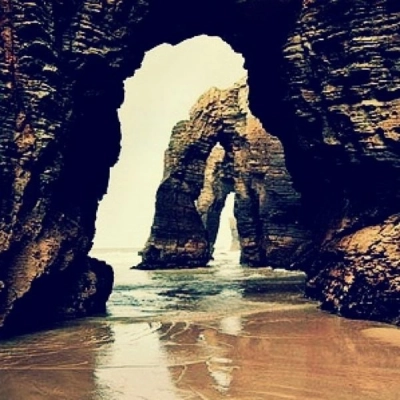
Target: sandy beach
column 298, row 353
column 210, row 334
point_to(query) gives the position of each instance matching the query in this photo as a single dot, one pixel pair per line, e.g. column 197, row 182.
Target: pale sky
column 160, row 94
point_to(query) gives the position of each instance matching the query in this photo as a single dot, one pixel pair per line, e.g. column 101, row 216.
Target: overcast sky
column 160, row 94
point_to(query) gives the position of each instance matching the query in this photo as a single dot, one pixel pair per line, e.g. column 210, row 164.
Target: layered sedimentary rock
column 178, row 236
column 222, row 149
column 218, row 183
column 342, row 145
column 323, row 77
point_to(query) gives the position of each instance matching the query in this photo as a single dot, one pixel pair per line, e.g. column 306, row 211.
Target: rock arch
column 221, row 149
column 178, row 235
column 330, row 93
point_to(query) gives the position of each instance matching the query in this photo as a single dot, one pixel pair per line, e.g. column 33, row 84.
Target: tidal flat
column 215, row 333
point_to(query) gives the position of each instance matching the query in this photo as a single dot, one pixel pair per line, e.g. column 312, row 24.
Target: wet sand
column 223, row 332
column 292, row 352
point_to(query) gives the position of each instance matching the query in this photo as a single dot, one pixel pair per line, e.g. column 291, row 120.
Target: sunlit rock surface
column 323, row 76
column 222, row 149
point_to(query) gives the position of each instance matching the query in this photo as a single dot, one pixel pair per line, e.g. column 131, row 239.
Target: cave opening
column 160, row 94
column 62, row 80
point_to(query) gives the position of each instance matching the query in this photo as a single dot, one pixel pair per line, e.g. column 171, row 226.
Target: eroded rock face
column 223, row 149
column 218, row 183
column 365, row 258
column 323, row 77
column 343, row 103
column 178, row 236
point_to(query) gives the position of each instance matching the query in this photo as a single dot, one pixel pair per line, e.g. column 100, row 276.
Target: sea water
column 213, row 333
column 221, row 286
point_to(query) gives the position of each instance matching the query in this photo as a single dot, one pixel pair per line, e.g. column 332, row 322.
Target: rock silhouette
column 323, row 78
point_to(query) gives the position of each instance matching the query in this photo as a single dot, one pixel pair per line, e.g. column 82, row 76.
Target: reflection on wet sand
column 218, row 333
column 293, row 353
column 57, row 364
column 283, row 355
column 134, row 366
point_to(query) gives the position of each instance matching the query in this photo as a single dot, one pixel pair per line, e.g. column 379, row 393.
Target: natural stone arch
column 62, row 70
column 178, row 235
column 221, row 149
column 334, row 105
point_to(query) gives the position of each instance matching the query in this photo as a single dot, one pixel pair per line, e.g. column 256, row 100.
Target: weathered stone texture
column 366, row 258
column 178, row 237
column 224, row 149
column 218, row 182
column 342, row 68
column 323, row 77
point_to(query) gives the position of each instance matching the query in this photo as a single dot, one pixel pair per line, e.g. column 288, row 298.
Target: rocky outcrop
column 178, row 236
column 223, row 149
column 349, row 264
column 323, row 77
column 343, row 151
column 218, row 182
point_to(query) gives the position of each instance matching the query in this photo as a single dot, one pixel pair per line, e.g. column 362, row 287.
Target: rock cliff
column 224, row 149
column 341, row 139
column 323, row 76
